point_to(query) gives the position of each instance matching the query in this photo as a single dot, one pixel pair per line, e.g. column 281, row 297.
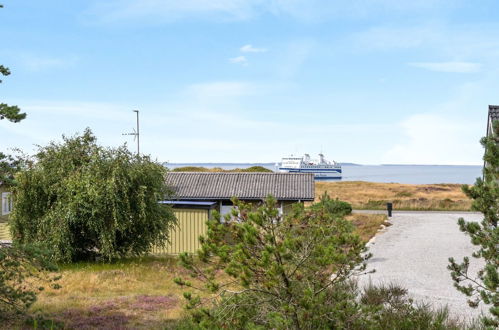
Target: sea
column 410, row 174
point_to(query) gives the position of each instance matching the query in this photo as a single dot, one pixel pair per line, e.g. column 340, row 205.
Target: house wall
column 3, row 218
column 185, row 236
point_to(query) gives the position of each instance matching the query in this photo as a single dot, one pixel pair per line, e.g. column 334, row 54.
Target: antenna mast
column 136, row 133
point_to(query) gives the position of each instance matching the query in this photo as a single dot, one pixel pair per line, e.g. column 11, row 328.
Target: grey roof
column 245, row 186
column 494, row 112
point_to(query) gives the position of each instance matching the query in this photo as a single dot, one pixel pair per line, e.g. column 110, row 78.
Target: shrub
column 19, row 267
column 333, row 206
column 89, row 202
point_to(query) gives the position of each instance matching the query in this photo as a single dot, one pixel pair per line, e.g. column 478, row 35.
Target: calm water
column 412, row 174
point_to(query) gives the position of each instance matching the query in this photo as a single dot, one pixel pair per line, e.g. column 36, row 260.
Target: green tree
column 9, row 112
column 19, row 267
column 284, row 272
column 485, row 235
column 88, row 202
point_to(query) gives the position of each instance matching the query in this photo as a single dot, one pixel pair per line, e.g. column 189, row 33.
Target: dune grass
column 371, row 195
column 219, row 169
column 132, row 293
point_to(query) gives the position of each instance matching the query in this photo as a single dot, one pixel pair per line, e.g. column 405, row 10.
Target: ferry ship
column 322, row 168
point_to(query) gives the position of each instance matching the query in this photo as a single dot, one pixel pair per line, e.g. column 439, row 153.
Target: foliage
column 9, row 112
column 333, row 206
column 19, row 267
column 89, row 202
column 485, row 235
column 285, row 272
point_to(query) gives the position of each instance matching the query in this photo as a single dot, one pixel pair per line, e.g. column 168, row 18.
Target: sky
column 363, row 81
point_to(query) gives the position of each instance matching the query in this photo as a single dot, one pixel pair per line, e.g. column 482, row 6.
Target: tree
column 9, row 112
column 284, row 272
column 23, row 270
column 485, row 235
column 88, row 202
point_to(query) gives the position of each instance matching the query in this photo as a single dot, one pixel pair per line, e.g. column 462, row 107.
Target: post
column 138, row 133
column 389, row 207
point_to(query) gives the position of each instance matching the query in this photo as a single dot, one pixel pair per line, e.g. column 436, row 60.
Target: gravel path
column 414, row 253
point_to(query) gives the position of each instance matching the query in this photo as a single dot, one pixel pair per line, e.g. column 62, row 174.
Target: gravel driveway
column 414, row 253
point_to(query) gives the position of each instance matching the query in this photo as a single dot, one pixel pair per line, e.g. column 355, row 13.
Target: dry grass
column 370, row 195
column 367, row 224
column 137, row 293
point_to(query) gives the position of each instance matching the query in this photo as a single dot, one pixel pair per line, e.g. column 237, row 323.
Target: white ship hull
column 318, row 173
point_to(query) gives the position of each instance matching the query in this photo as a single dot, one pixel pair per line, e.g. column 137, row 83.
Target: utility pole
column 136, row 133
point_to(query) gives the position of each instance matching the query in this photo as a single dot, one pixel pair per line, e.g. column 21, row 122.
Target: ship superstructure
column 321, row 168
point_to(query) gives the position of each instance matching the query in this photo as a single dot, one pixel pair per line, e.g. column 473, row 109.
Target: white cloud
column 430, row 138
column 457, row 67
column 39, row 63
column 239, row 60
column 250, row 49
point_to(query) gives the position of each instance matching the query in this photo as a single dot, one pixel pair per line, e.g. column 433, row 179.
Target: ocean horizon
column 387, row 173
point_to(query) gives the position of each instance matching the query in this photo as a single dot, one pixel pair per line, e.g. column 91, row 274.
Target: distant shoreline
column 273, row 164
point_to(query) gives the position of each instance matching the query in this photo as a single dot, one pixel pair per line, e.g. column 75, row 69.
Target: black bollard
column 389, row 207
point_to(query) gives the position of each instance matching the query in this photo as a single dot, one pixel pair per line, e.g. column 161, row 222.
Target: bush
column 333, row 206
column 90, row 202
column 19, row 267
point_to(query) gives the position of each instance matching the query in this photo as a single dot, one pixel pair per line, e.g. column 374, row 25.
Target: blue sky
column 365, row 81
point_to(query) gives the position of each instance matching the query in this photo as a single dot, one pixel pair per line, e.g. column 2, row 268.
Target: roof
column 493, row 116
column 494, row 112
column 190, row 204
column 245, row 186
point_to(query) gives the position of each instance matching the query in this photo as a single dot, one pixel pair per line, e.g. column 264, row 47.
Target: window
column 6, row 203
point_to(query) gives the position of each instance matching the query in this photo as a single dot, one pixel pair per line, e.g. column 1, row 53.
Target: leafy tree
column 284, row 272
column 87, row 201
column 485, row 235
column 9, row 112
column 19, row 267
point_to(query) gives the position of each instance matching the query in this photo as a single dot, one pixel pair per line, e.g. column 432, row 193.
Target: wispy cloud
column 172, row 10
column 43, row 63
column 456, row 67
column 305, row 10
column 431, row 138
column 239, row 60
column 250, row 49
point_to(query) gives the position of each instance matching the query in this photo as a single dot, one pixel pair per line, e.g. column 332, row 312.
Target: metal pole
column 138, row 133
